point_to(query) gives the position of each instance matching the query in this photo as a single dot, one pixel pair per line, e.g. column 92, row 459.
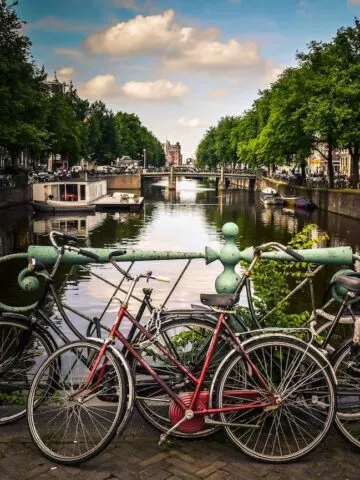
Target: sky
column 180, row 65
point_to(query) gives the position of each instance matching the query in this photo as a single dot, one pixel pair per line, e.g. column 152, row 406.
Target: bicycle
column 346, row 358
column 273, row 393
column 26, row 341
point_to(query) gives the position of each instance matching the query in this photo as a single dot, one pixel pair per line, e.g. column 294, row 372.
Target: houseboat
column 67, row 196
column 269, row 196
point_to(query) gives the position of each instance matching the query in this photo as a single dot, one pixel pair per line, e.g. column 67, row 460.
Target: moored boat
column 67, row 196
column 298, row 202
column 269, row 196
column 120, row 201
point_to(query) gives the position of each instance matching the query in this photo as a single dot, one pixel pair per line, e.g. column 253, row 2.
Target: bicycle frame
column 197, row 382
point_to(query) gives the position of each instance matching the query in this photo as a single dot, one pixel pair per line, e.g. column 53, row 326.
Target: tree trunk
column 330, row 165
column 354, row 172
column 303, row 169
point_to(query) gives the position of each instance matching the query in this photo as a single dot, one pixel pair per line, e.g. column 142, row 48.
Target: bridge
column 223, row 178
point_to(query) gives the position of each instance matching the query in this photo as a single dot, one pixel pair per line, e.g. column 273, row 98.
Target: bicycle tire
column 346, row 366
column 17, row 370
column 155, row 410
column 305, row 410
column 64, row 441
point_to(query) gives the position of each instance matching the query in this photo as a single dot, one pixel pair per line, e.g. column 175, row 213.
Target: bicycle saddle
column 350, row 282
column 225, row 300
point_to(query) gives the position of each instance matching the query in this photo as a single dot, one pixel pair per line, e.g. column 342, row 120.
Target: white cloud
column 272, row 71
column 101, row 86
column 217, row 92
column 69, row 52
column 178, row 47
column 106, row 86
column 354, row 2
column 65, row 73
column 213, row 55
column 191, row 122
column 136, row 36
column 154, row 91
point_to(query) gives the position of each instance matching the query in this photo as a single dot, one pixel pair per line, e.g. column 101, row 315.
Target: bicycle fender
column 130, row 381
column 310, row 346
column 262, row 336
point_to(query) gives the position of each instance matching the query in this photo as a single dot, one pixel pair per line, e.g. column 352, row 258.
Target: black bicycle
column 26, row 341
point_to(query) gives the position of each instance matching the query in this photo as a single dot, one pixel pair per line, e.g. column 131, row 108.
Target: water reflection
column 79, row 224
column 187, row 218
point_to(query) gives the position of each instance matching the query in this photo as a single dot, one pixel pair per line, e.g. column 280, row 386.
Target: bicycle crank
column 176, row 413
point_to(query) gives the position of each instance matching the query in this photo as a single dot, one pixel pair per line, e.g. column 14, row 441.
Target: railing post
column 172, row 179
column 221, row 184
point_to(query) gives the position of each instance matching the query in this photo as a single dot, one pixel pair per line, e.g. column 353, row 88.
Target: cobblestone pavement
column 134, row 458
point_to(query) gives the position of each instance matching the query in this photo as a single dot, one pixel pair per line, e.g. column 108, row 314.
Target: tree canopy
column 39, row 122
column 314, row 106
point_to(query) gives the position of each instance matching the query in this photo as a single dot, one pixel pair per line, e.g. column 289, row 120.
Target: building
column 345, row 162
column 317, row 162
column 55, row 86
column 172, row 153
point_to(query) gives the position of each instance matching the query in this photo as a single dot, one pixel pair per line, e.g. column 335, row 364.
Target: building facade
column 317, row 162
column 172, row 153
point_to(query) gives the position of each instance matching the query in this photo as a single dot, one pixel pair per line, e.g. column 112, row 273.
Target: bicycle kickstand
column 189, row 414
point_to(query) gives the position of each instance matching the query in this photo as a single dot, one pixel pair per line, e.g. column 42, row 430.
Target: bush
column 273, row 280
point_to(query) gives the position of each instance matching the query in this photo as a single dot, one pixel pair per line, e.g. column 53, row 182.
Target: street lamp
column 144, row 158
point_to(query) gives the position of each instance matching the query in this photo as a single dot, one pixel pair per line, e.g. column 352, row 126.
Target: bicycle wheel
column 302, row 382
column 74, row 421
column 347, row 369
column 188, row 340
column 23, row 348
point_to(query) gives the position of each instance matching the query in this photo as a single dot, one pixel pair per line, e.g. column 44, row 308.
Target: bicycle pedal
column 141, row 345
column 162, row 439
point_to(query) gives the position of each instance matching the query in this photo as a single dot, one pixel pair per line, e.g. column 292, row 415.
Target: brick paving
column 134, row 458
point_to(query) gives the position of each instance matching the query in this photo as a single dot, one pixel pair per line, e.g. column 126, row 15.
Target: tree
column 63, row 128
column 23, row 91
column 345, row 55
column 206, row 153
column 225, row 151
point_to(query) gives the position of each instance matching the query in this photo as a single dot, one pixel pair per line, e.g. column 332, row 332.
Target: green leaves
column 273, row 281
column 309, row 107
column 33, row 120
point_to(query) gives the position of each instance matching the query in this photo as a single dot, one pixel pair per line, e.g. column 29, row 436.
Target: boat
column 269, row 196
column 298, row 202
column 120, row 201
column 67, row 196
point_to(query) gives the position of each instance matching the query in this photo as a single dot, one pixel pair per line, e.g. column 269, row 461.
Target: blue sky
column 179, row 64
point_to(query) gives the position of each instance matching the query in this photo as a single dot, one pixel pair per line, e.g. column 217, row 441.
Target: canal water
column 186, row 220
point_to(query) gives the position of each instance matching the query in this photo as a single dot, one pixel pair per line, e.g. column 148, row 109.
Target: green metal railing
column 229, row 256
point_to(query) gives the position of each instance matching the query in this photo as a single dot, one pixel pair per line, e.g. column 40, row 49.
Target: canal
column 185, row 220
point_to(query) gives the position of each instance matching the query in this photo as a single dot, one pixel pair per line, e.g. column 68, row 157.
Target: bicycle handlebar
column 86, row 253
column 229, row 255
column 66, row 236
column 281, row 247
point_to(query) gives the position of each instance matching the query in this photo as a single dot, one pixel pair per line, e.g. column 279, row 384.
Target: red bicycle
column 273, row 393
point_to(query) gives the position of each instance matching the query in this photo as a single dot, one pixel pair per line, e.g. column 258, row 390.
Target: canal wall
column 10, row 196
column 124, row 182
column 241, row 183
column 342, row 202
